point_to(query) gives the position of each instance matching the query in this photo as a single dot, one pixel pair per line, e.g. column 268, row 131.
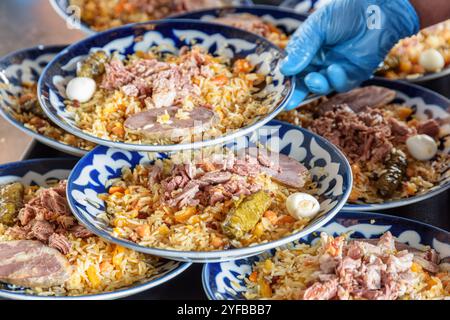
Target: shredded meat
column 159, row 84
column 362, row 269
column 363, row 136
column 47, row 218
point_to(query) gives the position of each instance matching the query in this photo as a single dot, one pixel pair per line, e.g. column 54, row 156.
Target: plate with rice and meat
column 356, row 256
column 165, row 86
column 100, row 15
column 395, row 136
column 273, row 23
column 46, row 253
column 216, row 204
column 19, row 103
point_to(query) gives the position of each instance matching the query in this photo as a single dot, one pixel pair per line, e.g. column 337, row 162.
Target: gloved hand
column 341, row 44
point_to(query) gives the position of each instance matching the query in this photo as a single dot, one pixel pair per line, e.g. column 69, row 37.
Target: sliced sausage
column 196, row 121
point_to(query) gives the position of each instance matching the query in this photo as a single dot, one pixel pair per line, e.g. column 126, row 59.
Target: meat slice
column 80, row 231
column 360, row 98
column 280, row 167
column 146, row 123
column 429, row 127
column 29, row 263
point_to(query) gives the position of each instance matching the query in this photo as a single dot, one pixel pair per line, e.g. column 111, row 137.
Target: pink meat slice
column 280, row 167
column 28, row 263
column 360, row 98
column 200, row 119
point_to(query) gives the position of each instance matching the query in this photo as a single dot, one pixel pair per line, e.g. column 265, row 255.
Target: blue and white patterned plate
column 326, row 163
column 285, row 19
column 427, row 105
column 224, row 281
column 41, row 172
column 71, row 13
column 26, row 66
column 169, row 36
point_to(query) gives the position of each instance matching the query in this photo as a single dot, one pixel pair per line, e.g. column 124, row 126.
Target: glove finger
column 337, row 77
column 300, row 93
column 317, row 83
column 301, row 49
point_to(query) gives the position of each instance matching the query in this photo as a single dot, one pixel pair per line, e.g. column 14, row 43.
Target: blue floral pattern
column 327, row 165
column 224, row 281
column 26, row 66
column 43, row 171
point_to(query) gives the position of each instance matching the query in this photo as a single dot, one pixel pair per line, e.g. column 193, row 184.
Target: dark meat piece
column 60, row 243
column 429, row 127
column 393, row 176
column 80, row 231
column 200, row 119
column 11, row 199
column 363, row 136
column 41, row 230
column 400, row 130
column 29, row 263
column 360, row 98
column 54, row 202
column 26, row 214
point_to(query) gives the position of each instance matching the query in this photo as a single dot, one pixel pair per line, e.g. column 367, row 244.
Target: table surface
column 26, row 23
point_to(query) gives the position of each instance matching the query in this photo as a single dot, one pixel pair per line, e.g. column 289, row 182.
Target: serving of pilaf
column 340, row 268
column 156, row 98
column 105, row 14
column 27, row 110
column 393, row 154
column 419, row 55
column 217, row 202
column 36, row 220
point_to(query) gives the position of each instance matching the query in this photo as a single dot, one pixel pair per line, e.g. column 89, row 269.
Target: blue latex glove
column 339, row 45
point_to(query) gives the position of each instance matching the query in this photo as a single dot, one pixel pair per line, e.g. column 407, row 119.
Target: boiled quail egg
column 81, row 89
column 432, row 60
column 302, row 205
column 422, row 147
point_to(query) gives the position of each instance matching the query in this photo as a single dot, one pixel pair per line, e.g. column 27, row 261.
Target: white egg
column 81, row 89
column 432, row 60
column 422, row 147
column 302, row 205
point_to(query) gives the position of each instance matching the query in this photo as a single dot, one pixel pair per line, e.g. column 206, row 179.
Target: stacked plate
column 182, row 162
